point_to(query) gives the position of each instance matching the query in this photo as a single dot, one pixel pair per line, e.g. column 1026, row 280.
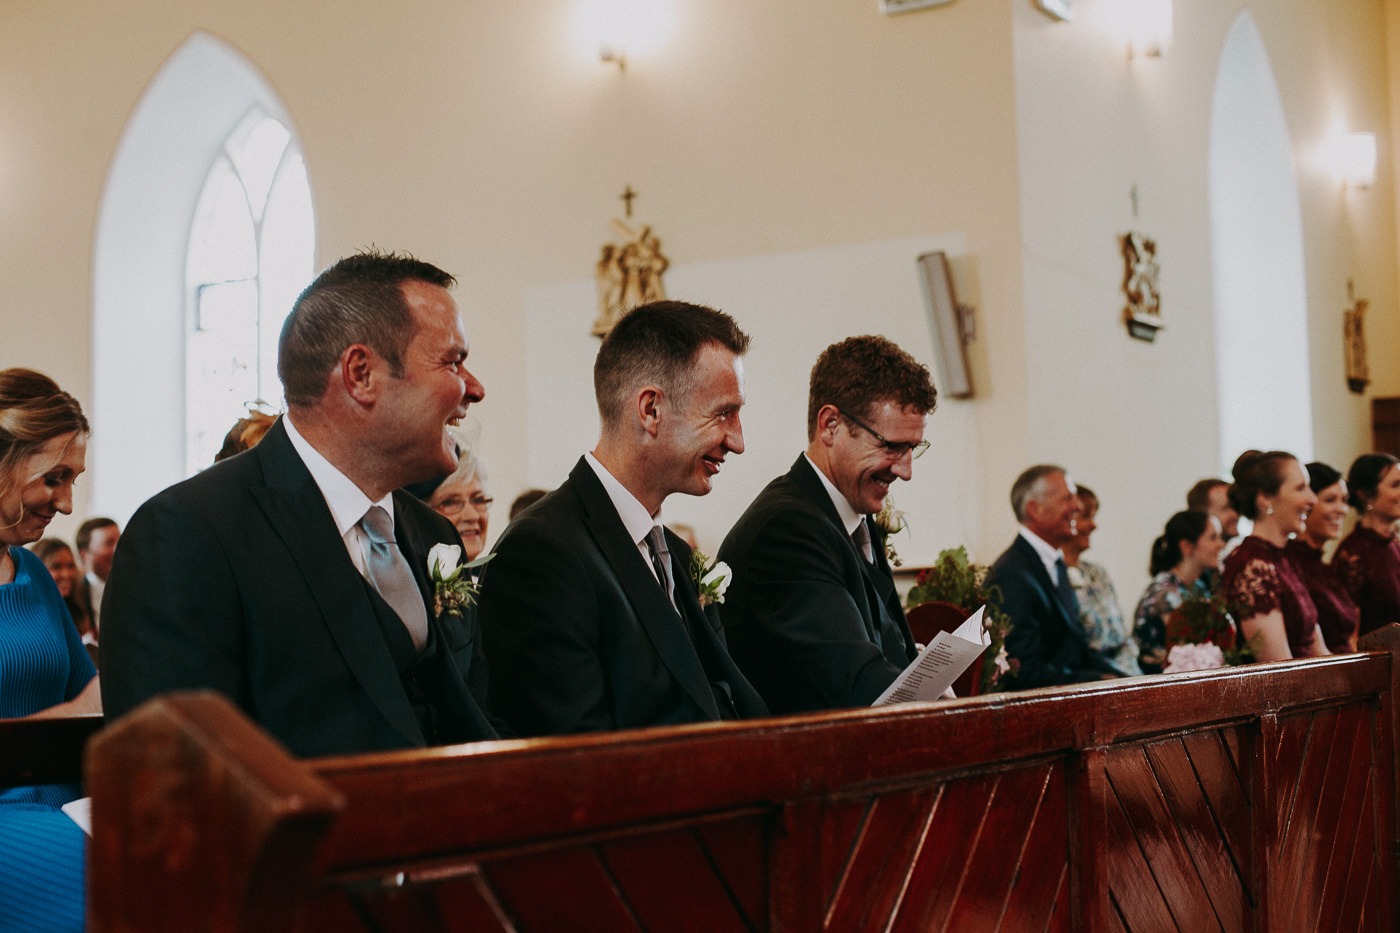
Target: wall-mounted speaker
column 951, row 322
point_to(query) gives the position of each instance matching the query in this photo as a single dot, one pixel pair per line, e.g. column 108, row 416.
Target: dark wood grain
column 44, row 751
column 1201, row 801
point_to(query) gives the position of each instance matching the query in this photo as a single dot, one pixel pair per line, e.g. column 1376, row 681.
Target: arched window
column 249, row 255
column 1261, row 322
column 204, row 239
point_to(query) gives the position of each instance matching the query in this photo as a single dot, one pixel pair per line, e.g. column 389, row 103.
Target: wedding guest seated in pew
column 463, row 500
column 523, row 501
column 812, row 615
column 96, row 543
column 1337, row 613
column 44, row 670
column 1369, row 557
column 245, row 434
column 1098, row 600
column 294, row 578
column 591, row 617
column 63, row 567
column 1185, row 562
column 1277, row 617
column 1212, row 496
column 1046, row 636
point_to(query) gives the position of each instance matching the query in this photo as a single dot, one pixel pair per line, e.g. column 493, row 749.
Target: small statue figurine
column 628, row 274
column 1354, row 342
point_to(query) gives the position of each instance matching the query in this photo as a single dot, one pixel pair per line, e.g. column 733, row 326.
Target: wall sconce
column 1144, row 26
column 621, row 30
column 1351, row 158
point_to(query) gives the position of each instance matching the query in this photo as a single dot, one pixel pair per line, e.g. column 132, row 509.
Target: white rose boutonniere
column 891, row 521
column 710, row 579
column 453, row 587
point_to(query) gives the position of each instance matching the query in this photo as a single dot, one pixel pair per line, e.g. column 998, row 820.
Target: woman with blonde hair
column 44, row 670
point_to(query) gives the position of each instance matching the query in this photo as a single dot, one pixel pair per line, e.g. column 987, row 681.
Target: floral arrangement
column 1201, row 635
column 955, row 579
column 454, row 588
column 891, row 521
column 711, row 579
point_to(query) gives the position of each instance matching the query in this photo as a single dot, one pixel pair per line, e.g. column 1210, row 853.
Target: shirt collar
column 635, row 517
column 850, row 518
column 1048, row 554
column 347, row 503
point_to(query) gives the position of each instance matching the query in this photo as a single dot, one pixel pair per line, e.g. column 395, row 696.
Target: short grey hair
column 1030, row 485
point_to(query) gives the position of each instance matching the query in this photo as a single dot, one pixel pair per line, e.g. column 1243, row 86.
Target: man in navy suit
column 812, row 616
column 293, row 578
column 1046, row 637
column 589, row 613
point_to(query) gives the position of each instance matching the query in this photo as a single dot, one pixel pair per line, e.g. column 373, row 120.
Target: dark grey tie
column 389, row 573
column 1065, row 590
column 861, row 537
column 661, row 562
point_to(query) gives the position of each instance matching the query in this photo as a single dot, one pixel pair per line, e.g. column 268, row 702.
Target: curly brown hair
column 859, row 373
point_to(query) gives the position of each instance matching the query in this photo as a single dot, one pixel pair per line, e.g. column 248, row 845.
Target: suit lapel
column 654, row 611
column 1052, row 591
column 297, row 511
column 877, row 591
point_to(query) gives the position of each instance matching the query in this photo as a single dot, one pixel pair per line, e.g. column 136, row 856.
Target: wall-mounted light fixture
column 619, row 31
column 1351, row 158
column 1144, row 26
column 905, row 6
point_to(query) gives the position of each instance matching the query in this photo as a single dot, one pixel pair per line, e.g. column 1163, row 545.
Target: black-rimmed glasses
column 895, row 449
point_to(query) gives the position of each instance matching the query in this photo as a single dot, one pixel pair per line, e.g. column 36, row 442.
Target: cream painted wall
column 1136, row 421
column 473, row 135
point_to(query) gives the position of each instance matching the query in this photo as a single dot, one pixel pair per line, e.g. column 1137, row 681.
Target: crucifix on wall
column 628, row 273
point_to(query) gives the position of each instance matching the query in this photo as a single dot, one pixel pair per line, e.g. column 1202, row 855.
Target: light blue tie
column 388, row 572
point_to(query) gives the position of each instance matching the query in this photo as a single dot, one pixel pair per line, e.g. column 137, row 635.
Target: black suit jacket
column 236, row 580
column 1051, row 647
column 812, row 624
column 579, row 635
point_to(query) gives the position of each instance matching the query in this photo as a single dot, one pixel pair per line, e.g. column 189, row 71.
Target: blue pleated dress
column 42, row 662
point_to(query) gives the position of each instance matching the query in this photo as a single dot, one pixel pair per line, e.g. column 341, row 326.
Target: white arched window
column 250, row 253
column 204, row 239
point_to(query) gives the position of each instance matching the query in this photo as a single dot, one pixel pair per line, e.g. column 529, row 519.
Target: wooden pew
column 1258, row 798
column 44, row 751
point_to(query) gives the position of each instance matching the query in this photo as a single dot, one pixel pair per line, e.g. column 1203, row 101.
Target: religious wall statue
column 1143, row 313
column 1354, row 341
column 629, row 274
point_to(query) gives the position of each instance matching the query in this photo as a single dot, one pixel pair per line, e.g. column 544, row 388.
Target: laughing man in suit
column 293, row 578
column 812, row 614
column 589, row 613
column 1046, row 636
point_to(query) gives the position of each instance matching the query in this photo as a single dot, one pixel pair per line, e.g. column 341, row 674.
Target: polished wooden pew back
column 1257, row 798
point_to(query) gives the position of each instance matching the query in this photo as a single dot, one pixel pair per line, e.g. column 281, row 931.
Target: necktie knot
column 861, row 538
column 661, row 561
column 378, row 526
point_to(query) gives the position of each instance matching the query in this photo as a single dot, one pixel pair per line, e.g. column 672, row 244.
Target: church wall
column 475, row 136
column 1138, row 422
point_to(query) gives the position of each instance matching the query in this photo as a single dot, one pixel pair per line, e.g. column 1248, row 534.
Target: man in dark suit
column 293, row 578
column 590, row 615
column 1046, row 637
column 812, row 614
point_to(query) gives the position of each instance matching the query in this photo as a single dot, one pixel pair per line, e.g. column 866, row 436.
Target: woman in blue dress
column 44, row 670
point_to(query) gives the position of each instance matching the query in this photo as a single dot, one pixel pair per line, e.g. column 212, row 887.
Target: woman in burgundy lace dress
column 1369, row 558
column 1276, row 614
column 1337, row 614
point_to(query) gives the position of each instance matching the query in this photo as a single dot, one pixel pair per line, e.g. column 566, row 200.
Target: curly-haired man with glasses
column 812, row 615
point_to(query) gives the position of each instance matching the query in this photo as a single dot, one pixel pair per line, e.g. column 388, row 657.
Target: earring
column 1269, row 510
